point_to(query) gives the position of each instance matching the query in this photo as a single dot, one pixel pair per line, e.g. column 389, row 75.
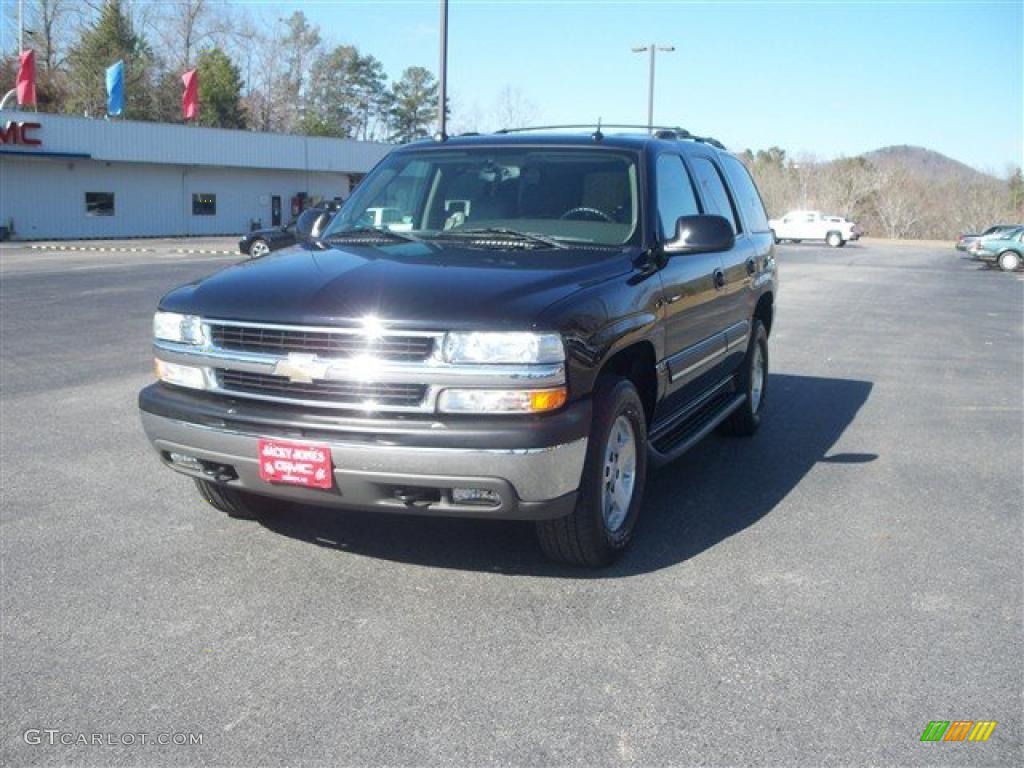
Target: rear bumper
column 372, row 470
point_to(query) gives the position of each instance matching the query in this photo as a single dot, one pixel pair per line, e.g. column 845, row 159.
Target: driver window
column 398, row 202
column 675, row 194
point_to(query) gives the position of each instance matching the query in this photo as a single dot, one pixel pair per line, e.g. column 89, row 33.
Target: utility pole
column 442, row 90
column 653, row 48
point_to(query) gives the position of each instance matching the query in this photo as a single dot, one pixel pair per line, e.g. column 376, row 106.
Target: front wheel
column 612, row 486
column 752, row 381
column 834, row 239
column 1009, row 261
column 258, row 249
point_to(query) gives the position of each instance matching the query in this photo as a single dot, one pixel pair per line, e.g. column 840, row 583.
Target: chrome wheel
column 258, row 249
column 757, row 372
column 619, row 474
column 1008, row 261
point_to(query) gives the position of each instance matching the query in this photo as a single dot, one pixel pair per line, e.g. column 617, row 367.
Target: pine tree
column 110, row 39
column 414, row 105
column 220, row 91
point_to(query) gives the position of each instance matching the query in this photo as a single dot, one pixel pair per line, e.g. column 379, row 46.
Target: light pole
column 653, row 48
column 442, row 90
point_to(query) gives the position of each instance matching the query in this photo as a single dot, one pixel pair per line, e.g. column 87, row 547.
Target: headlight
column 514, row 347
column 501, row 400
column 181, row 375
column 170, row 326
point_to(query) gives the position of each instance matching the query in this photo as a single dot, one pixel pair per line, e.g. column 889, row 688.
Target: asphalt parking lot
column 815, row 595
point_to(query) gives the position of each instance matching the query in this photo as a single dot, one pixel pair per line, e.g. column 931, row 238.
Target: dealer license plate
column 290, row 463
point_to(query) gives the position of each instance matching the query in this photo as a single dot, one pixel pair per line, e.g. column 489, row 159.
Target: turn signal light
column 547, row 399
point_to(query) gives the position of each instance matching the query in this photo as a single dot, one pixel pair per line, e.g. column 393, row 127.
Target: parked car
column 309, row 224
column 964, row 242
column 1005, row 249
column 558, row 314
column 797, row 226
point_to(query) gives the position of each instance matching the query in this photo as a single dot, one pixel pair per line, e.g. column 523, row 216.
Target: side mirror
column 701, row 234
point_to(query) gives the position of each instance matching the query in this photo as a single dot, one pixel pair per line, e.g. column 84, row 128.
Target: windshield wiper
column 482, row 233
column 368, row 232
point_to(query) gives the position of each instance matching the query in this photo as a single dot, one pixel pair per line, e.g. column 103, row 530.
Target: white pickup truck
column 814, row 225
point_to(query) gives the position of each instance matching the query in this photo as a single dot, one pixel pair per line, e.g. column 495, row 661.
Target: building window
column 204, row 205
column 99, row 203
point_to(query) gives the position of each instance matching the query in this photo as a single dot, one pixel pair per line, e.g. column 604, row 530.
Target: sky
column 816, row 78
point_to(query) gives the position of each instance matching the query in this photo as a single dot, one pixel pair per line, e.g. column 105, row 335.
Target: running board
column 673, row 444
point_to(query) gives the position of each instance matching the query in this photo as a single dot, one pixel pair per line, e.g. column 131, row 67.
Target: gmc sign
column 18, row 133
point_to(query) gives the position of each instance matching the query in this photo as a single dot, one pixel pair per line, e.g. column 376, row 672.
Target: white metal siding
column 45, row 198
column 154, row 169
column 168, row 143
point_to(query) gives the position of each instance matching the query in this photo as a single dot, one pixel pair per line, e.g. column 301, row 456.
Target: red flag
column 26, row 82
column 190, row 98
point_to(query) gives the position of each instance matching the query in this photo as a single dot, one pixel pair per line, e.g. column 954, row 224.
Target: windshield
column 560, row 195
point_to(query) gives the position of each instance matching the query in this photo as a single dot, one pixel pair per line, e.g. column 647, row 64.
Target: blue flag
column 115, row 89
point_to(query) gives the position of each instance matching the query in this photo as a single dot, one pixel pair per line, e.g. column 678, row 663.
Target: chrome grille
column 330, row 393
column 327, row 344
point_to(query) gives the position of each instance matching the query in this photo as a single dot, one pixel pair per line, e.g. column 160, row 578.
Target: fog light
column 180, row 375
column 184, row 460
column 475, row 496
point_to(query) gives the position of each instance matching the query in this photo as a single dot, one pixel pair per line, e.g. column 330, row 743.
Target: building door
column 275, row 211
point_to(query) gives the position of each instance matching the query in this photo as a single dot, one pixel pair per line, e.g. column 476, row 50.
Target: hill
column 926, row 164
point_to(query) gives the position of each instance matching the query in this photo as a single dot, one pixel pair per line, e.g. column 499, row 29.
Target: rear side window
column 747, row 198
column 716, row 198
column 675, row 194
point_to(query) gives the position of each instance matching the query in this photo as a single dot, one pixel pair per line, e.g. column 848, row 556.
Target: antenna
column 597, row 135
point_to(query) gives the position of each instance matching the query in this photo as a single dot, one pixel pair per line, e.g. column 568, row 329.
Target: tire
column 590, row 536
column 775, row 238
column 1009, row 261
column 258, row 249
column 796, row 241
column 834, row 240
column 746, row 420
column 235, row 503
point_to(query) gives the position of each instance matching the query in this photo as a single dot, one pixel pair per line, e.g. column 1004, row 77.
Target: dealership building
column 67, row 177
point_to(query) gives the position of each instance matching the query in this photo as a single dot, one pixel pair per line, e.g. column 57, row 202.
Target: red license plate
column 291, row 463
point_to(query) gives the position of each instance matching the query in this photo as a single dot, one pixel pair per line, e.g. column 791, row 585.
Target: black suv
column 509, row 326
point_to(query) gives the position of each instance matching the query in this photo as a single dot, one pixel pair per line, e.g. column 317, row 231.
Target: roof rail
column 659, row 131
column 708, row 140
column 526, row 128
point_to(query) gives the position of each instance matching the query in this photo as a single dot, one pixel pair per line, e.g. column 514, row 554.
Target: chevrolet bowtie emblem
column 301, row 368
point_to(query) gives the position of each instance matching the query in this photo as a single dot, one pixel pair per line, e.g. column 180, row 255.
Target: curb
column 89, row 248
column 117, row 249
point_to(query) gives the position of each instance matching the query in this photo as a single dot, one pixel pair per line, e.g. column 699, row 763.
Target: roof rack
column 667, row 132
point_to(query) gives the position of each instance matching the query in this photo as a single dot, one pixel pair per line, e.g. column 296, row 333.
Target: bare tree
column 513, row 109
column 465, row 117
column 846, row 186
column 896, row 202
column 185, row 26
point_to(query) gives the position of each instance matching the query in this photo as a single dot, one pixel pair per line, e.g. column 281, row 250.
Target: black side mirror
column 701, row 234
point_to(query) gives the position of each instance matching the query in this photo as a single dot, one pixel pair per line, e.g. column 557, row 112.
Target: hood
column 413, row 285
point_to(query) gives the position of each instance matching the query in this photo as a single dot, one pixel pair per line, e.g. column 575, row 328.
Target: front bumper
column 533, row 466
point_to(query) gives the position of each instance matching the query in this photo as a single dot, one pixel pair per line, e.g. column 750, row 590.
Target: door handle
column 719, row 277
